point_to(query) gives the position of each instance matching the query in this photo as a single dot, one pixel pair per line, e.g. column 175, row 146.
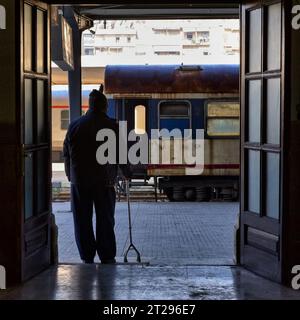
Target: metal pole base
column 132, row 247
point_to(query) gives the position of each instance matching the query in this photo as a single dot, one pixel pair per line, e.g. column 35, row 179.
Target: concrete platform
column 115, row 282
column 166, row 233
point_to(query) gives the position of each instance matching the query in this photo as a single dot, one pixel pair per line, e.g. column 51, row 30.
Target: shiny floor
column 141, row 282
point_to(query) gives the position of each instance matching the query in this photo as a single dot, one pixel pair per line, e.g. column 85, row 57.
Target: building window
column 203, row 36
column 88, row 38
column 128, row 39
column 116, row 50
column 189, row 35
column 223, row 119
column 140, row 119
column 117, row 39
column 64, row 119
column 160, row 31
column 205, row 53
column 88, row 51
column 167, row 53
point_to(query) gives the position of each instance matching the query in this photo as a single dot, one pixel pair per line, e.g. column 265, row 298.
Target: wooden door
column 262, row 106
column 25, row 141
column 35, row 138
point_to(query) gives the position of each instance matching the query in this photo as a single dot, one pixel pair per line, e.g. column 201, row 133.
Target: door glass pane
column 41, row 112
column 273, row 37
column 64, row 119
column 254, row 40
column 27, row 37
column 42, row 181
column 174, row 109
column 140, row 119
column 40, row 41
column 28, row 112
column 272, row 185
column 273, row 111
column 254, row 110
column 254, row 181
column 28, row 205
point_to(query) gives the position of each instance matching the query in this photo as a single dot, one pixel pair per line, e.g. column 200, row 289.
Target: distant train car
column 61, row 115
column 183, row 97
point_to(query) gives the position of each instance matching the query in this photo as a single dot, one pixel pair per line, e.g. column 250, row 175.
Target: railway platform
column 166, row 233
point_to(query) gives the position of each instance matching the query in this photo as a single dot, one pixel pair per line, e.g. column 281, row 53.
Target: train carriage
column 183, row 97
column 173, row 97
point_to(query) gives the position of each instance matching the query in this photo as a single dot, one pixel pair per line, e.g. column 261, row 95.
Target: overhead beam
column 153, row 2
column 100, row 13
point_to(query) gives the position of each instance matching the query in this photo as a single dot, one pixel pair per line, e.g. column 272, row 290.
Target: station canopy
column 194, row 9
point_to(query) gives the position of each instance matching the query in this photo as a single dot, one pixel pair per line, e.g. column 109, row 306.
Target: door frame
column 16, row 152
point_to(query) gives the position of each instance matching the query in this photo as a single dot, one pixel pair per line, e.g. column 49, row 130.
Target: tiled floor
column 136, row 282
column 178, row 239
column 165, row 233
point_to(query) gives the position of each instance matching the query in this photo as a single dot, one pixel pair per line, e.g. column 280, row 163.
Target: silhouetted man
column 92, row 183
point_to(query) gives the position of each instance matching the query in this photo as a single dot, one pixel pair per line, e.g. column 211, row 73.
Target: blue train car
column 183, row 97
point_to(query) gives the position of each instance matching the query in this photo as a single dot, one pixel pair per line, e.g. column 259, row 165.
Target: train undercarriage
column 204, row 188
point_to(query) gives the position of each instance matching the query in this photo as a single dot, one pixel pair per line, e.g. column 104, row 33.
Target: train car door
column 262, row 144
column 136, row 114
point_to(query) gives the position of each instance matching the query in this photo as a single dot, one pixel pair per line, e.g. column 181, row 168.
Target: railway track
column 136, row 194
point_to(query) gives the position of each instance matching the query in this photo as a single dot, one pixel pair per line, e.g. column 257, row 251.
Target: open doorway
column 194, row 220
column 268, row 223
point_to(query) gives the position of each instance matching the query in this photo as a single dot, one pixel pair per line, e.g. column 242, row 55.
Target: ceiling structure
column 200, row 9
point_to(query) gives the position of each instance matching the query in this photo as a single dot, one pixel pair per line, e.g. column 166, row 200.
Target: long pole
column 129, row 211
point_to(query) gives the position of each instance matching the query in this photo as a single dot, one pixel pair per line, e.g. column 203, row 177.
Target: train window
column 174, row 109
column 175, row 115
column 64, row 119
column 140, row 119
column 223, row 119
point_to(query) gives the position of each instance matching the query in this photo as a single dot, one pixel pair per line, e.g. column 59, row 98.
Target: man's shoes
column 88, row 261
column 108, row 261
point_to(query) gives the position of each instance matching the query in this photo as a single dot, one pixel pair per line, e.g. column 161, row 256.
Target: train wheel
column 202, row 194
column 226, row 194
column 169, row 193
column 190, row 195
column 178, row 194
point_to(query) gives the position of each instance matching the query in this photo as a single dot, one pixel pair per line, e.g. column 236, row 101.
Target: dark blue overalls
column 92, row 184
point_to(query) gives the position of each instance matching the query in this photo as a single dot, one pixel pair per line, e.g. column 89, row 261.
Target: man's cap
column 98, row 93
column 98, row 99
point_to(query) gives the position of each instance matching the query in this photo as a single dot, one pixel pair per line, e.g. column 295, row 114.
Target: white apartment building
column 161, row 41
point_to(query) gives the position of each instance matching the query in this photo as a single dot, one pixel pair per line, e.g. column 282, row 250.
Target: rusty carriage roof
column 143, row 79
